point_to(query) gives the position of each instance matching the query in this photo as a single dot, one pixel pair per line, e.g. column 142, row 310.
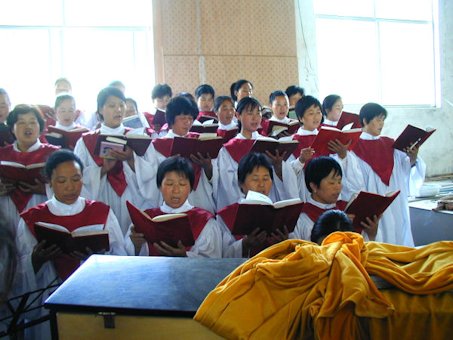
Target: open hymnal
column 258, row 211
column 328, row 133
column 138, row 143
column 133, row 122
column 64, row 138
column 367, row 204
column 208, row 126
column 168, row 228
column 272, row 145
column 14, row 172
column 273, row 128
column 206, row 144
column 94, row 237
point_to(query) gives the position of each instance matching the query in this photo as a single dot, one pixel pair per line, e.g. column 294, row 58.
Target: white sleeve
column 92, row 181
column 417, row 177
column 146, row 171
column 228, row 191
column 353, row 180
column 116, row 239
column 287, row 187
column 26, row 277
column 208, row 243
column 303, row 228
column 230, row 246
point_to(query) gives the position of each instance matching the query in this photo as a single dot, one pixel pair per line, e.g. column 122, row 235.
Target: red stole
column 313, row 212
column 197, row 217
column 164, row 145
column 238, row 148
column 304, row 142
column 115, row 176
column 93, row 213
column 20, row 198
column 378, row 154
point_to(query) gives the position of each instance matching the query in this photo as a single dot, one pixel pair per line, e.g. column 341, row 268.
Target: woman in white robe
column 124, row 176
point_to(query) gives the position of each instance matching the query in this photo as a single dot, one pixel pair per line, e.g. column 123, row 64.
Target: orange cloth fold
column 297, row 289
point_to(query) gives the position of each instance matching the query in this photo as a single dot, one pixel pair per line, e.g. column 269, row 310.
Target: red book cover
column 348, row 118
column 328, row 133
column 412, row 136
column 77, row 240
column 64, row 138
column 263, row 145
column 368, row 204
column 169, row 228
column 186, row 146
column 242, row 218
column 159, row 120
column 15, row 172
column 227, row 134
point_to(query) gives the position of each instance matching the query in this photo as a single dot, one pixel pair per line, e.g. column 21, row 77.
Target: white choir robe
column 231, row 247
column 226, row 187
column 394, row 226
column 227, row 127
column 305, row 224
column 8, row 207
column 349, row 167
column 208, row 243
column 27, row 280
column 140, row 184
column 202, row 196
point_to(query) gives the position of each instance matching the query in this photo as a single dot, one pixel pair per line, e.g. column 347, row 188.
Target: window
column 378, row 50
column 92, row 43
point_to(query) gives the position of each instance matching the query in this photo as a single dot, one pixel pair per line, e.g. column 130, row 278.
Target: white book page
column 167, row 217
column 286, row 203
column 254, row 197
column 88, row 229
column 53, row 226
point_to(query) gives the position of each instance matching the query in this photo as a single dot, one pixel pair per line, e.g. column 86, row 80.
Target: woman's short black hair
column 329, row 222
column 248, row 102
column 251, row 161
column 370, row 111
column 23, row 109
column 236, row 86
column 58, row 157
column 276, row 94
column 319, row 168
column 304, row 104
column 180, row 105
column 105, row 93
column 161, row 90
column 329, row 102
column 61, row 98
column 204, row 89
column 219, row 101
column 294, row 89
column 178, row 164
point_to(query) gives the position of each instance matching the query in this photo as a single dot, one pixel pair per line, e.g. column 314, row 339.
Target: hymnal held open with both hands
column 94, row 237
column 367, row 204
column 168, row 228
column 258, row 211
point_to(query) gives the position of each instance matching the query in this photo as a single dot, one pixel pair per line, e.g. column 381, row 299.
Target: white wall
column 438, row 150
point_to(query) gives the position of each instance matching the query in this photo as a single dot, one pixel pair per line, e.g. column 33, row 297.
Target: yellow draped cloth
column 298, row 289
